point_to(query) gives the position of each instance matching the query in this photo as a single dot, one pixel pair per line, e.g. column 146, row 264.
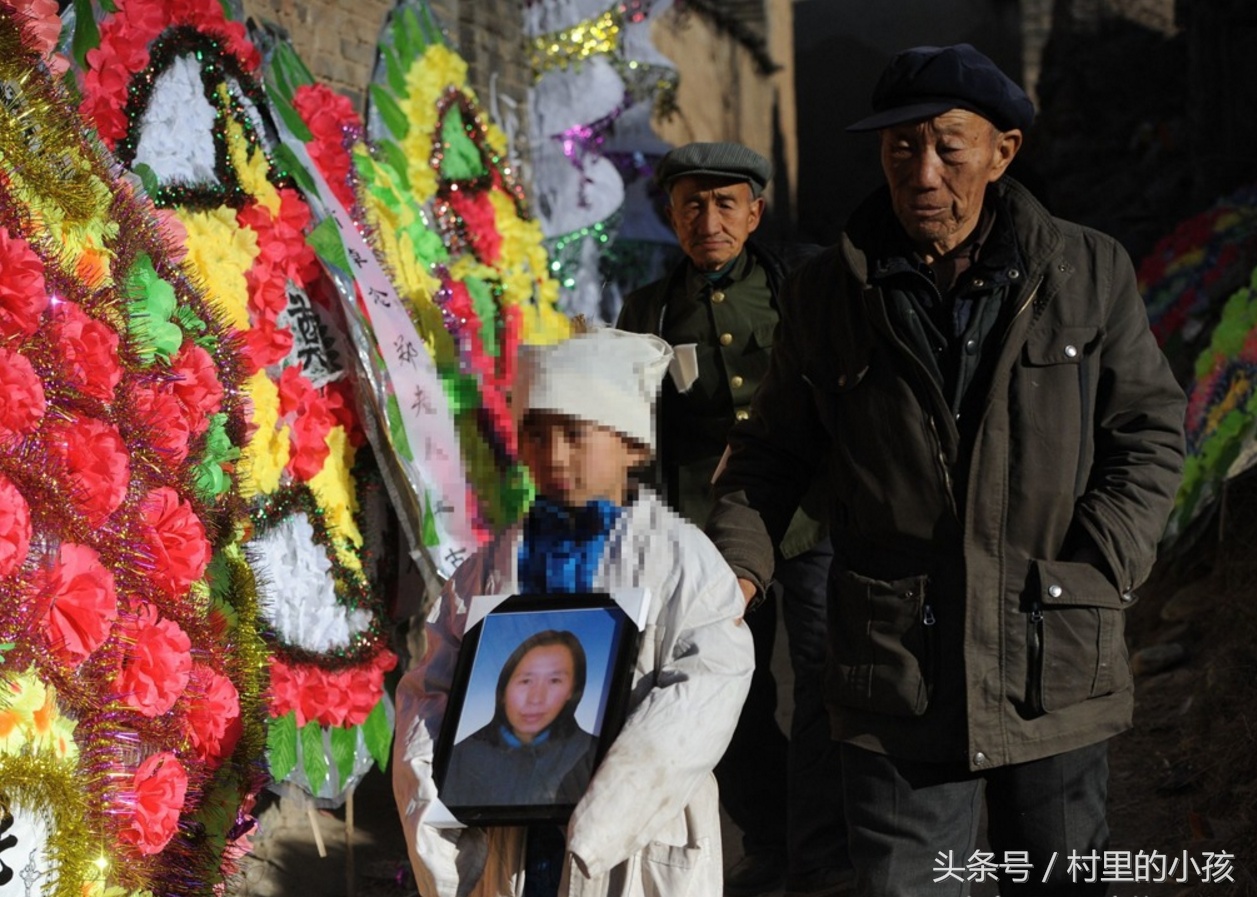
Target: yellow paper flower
column 249, row 163
column 333, row 489
column 263, row 459
column 220, row 253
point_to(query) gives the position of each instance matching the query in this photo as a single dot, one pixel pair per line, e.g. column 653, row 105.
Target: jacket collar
column 1038, row 235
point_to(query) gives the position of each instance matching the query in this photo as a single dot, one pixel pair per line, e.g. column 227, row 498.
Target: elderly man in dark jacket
column 1006, row 440
column 718, row 308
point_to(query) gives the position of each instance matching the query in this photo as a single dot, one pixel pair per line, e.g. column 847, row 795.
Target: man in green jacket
column 718, row 309
column 1005, row 440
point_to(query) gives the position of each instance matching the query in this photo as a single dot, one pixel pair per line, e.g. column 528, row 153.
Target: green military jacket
column 730, row 322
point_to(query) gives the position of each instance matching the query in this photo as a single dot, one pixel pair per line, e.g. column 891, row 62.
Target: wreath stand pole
column 314, row 827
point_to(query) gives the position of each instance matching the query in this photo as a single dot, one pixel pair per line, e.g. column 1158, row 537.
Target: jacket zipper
column 927, row 647
column 1034, row 652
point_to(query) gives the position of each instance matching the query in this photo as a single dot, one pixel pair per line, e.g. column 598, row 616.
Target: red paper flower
column 22, row 402
column 365, row 687
column 332, row 122
column 482, row 224
column 340, row 401
column 213, row 717
column 81, row 603
column 89, row 350
column 168, row 428
column 158, row 663
column 341, row 698
column 309, row 440
column 196, row 386
column 267, row 344
column 177, row 540
column 99, row 468
column 23, row 296
column 15, row 527
column 161, row 783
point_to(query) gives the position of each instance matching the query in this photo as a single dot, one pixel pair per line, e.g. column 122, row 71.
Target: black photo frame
column 508, row 752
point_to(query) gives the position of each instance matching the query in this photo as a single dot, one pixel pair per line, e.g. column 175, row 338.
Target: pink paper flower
column 81, row 603
column 23, row 296
column 213, row 717
column 176, row 537
column 161, row 784
column 89, row 351
column 98, row 464
column 158, row 663
column 15, row 527
column 22, row 402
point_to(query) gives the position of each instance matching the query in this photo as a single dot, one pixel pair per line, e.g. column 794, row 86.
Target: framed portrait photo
column 539, row 694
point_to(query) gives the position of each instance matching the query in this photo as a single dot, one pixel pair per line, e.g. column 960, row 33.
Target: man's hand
column 748, row 589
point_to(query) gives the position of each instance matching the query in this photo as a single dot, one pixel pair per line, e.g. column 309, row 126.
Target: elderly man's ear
column 1007, row 144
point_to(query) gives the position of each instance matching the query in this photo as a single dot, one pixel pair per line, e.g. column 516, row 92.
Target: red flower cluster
column 160, row 784
column 123, row 53
column 23, row 297
column 283, row 256
column 89, row 351
column 168, row 425
column 15, row 527
column 330, row 698
column 158, row 662
column 80, row 603
column 196, row 386
column 95, row 458
column 311, row 420
column 22, row 403
column 213, row 715
column 176, row 539
column 476, row 210
column 335, row 125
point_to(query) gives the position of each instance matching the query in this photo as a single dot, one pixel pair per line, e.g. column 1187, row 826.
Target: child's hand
column 748, row 589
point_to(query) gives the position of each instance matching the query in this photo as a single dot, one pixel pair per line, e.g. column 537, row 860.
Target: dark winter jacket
column 985, row 625
column 731, row 325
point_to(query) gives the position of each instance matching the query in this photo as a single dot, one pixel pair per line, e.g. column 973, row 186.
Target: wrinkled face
column 712, row 218
column 538, row 689
column 574, row 461
column 938, row 170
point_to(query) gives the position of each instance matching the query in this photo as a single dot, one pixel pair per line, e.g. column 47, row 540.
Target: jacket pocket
column 1075, row 636
column 883, row 643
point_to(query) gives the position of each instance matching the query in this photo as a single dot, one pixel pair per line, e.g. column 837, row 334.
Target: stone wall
column 725, row 93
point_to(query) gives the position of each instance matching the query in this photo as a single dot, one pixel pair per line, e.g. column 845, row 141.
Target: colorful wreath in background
column 131, row 717
column 1191, row 272
column 1221, row 408
column 174, row 89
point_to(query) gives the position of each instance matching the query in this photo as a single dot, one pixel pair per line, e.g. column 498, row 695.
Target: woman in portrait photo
column 532, row 751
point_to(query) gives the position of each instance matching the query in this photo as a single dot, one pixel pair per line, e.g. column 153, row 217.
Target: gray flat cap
column 724, row 160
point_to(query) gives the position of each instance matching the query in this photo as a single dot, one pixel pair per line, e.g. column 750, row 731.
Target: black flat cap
column 723, row 160
column 927, row 81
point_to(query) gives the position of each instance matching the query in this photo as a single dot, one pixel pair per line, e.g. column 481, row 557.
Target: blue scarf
column 560, row 552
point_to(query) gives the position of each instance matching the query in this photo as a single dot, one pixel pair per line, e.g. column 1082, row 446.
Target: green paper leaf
column 313, row 759
column 393, row 73
column 344, row 747
column 413, row 30
column 486, row 310
column 407, row 51
column 86, row 34
column 397, row 163
column 430, row 30
column 109, row 6
column 429, row 535
column 286, row 62
column 289, row 115
column 326, row 242
column 377, row 734
column 391, row 113
column 427, row 244
column 461, row 390
column 147, row 177
column 281, row 745
column 285, row 155
column 397, row 429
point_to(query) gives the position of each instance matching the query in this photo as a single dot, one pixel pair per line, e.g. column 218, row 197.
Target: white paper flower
column 297, row 589
column 177, row 128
